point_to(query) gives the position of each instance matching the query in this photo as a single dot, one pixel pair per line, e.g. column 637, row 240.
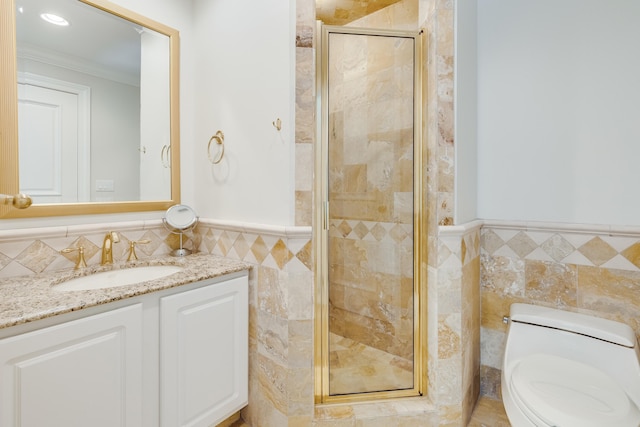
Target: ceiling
column 93, row 35
column 342, row 12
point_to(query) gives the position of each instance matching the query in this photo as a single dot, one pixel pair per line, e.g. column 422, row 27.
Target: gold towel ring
column 219, row 137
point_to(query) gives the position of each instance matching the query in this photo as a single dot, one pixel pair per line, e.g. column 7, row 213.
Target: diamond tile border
column 564, row 243
column 32, row 251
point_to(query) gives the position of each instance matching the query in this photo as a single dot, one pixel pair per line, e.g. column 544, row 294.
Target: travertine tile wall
column 453, row 302
column 455, row 351
column 371, row 284
column 281, row 389
column 594, row 270
column 33, row 251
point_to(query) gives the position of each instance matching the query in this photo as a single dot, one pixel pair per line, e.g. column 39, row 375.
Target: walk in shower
column 370, row 204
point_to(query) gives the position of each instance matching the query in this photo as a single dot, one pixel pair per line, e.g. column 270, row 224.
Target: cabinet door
column 204, row 354
column 85, row 372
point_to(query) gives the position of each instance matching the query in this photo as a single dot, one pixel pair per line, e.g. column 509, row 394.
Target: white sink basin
column 115, row 278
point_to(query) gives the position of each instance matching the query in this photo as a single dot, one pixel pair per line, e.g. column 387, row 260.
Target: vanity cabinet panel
column 85, row 372
column 204, row 354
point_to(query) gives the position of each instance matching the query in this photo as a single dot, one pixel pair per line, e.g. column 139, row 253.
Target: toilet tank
column 604, row 344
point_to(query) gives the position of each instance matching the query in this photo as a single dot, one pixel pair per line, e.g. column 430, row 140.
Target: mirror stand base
column 181, row 252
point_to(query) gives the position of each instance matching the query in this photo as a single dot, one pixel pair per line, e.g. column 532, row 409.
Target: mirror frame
column 9, row 174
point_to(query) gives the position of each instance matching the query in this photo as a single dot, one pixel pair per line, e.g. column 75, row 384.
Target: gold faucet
column 81, row 262
column 107, row 247
column 132, row 248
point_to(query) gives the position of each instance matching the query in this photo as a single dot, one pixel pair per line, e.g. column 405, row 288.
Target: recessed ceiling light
column 54, row 19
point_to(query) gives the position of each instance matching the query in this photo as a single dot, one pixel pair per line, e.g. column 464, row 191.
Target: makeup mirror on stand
column 178, row 220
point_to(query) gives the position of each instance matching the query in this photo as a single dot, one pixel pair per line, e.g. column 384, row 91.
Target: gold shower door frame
column 321, row 228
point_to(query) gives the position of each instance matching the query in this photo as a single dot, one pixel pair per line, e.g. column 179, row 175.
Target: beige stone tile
column 613, row 294
column 489, row 413
column 494, row 307
column 502, row 275
column 304, row 213
column 448, row 340
column 522, row 244
column 37, row 256
column 272, row 380
column 281, row 253
column 632, row 253
column 490, row 385
column 552, row 283
column 597, row 251
column 272, row 295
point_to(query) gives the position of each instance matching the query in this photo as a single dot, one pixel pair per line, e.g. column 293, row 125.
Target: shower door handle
column 325, row 216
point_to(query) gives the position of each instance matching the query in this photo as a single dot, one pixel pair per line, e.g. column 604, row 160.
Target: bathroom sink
column 116, row 278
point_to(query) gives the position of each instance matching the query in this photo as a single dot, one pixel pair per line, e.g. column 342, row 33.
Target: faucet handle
column 115, row 238
column 132, row 248
column 81, row 262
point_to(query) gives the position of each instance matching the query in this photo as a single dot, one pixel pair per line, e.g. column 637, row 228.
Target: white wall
column 465, row 106
column 244, row 81
column 558, row 110
column 155, row 117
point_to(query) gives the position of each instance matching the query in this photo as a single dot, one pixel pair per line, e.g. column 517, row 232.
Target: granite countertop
column 28, row 298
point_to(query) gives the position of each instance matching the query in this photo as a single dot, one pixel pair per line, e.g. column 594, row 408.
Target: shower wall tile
column 305, row 111
column 567, row 266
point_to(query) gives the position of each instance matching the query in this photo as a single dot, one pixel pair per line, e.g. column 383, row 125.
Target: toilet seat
column 554, row 391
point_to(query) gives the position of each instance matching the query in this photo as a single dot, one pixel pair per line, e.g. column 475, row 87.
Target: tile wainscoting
column 281, row 314
column 589, row 269
column 37, row 250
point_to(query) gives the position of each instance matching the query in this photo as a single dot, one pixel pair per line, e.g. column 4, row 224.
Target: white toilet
column 567, row 369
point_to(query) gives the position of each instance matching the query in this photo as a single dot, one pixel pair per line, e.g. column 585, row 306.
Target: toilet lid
column 562, row 392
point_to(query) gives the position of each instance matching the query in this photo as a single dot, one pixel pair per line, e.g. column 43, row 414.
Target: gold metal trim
column 9, row 175
column 321, row 339
column 8, row 103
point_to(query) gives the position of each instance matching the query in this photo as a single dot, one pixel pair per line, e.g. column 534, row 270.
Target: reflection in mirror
column 96, row 106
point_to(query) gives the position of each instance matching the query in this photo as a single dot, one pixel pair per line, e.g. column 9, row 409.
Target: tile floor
column 488, row 413
column 358, row 368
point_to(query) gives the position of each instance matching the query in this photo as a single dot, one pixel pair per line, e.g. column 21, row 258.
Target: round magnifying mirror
column 180, row 218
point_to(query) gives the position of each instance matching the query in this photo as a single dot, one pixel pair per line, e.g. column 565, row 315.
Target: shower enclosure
column 370, row 244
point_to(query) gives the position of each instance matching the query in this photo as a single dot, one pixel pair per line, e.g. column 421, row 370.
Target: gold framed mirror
column 126, row 156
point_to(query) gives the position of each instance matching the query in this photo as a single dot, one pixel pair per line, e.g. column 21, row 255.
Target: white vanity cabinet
column 176, row 357
column 204, row 354
column 86, row 372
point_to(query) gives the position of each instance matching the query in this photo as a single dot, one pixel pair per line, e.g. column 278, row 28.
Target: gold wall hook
column 277, row 124
column 219, row 138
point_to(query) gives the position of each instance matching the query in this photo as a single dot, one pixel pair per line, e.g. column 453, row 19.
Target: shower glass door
column 370, row 205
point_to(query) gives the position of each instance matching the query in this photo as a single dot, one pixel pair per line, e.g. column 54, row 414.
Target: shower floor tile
column 357, row 368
